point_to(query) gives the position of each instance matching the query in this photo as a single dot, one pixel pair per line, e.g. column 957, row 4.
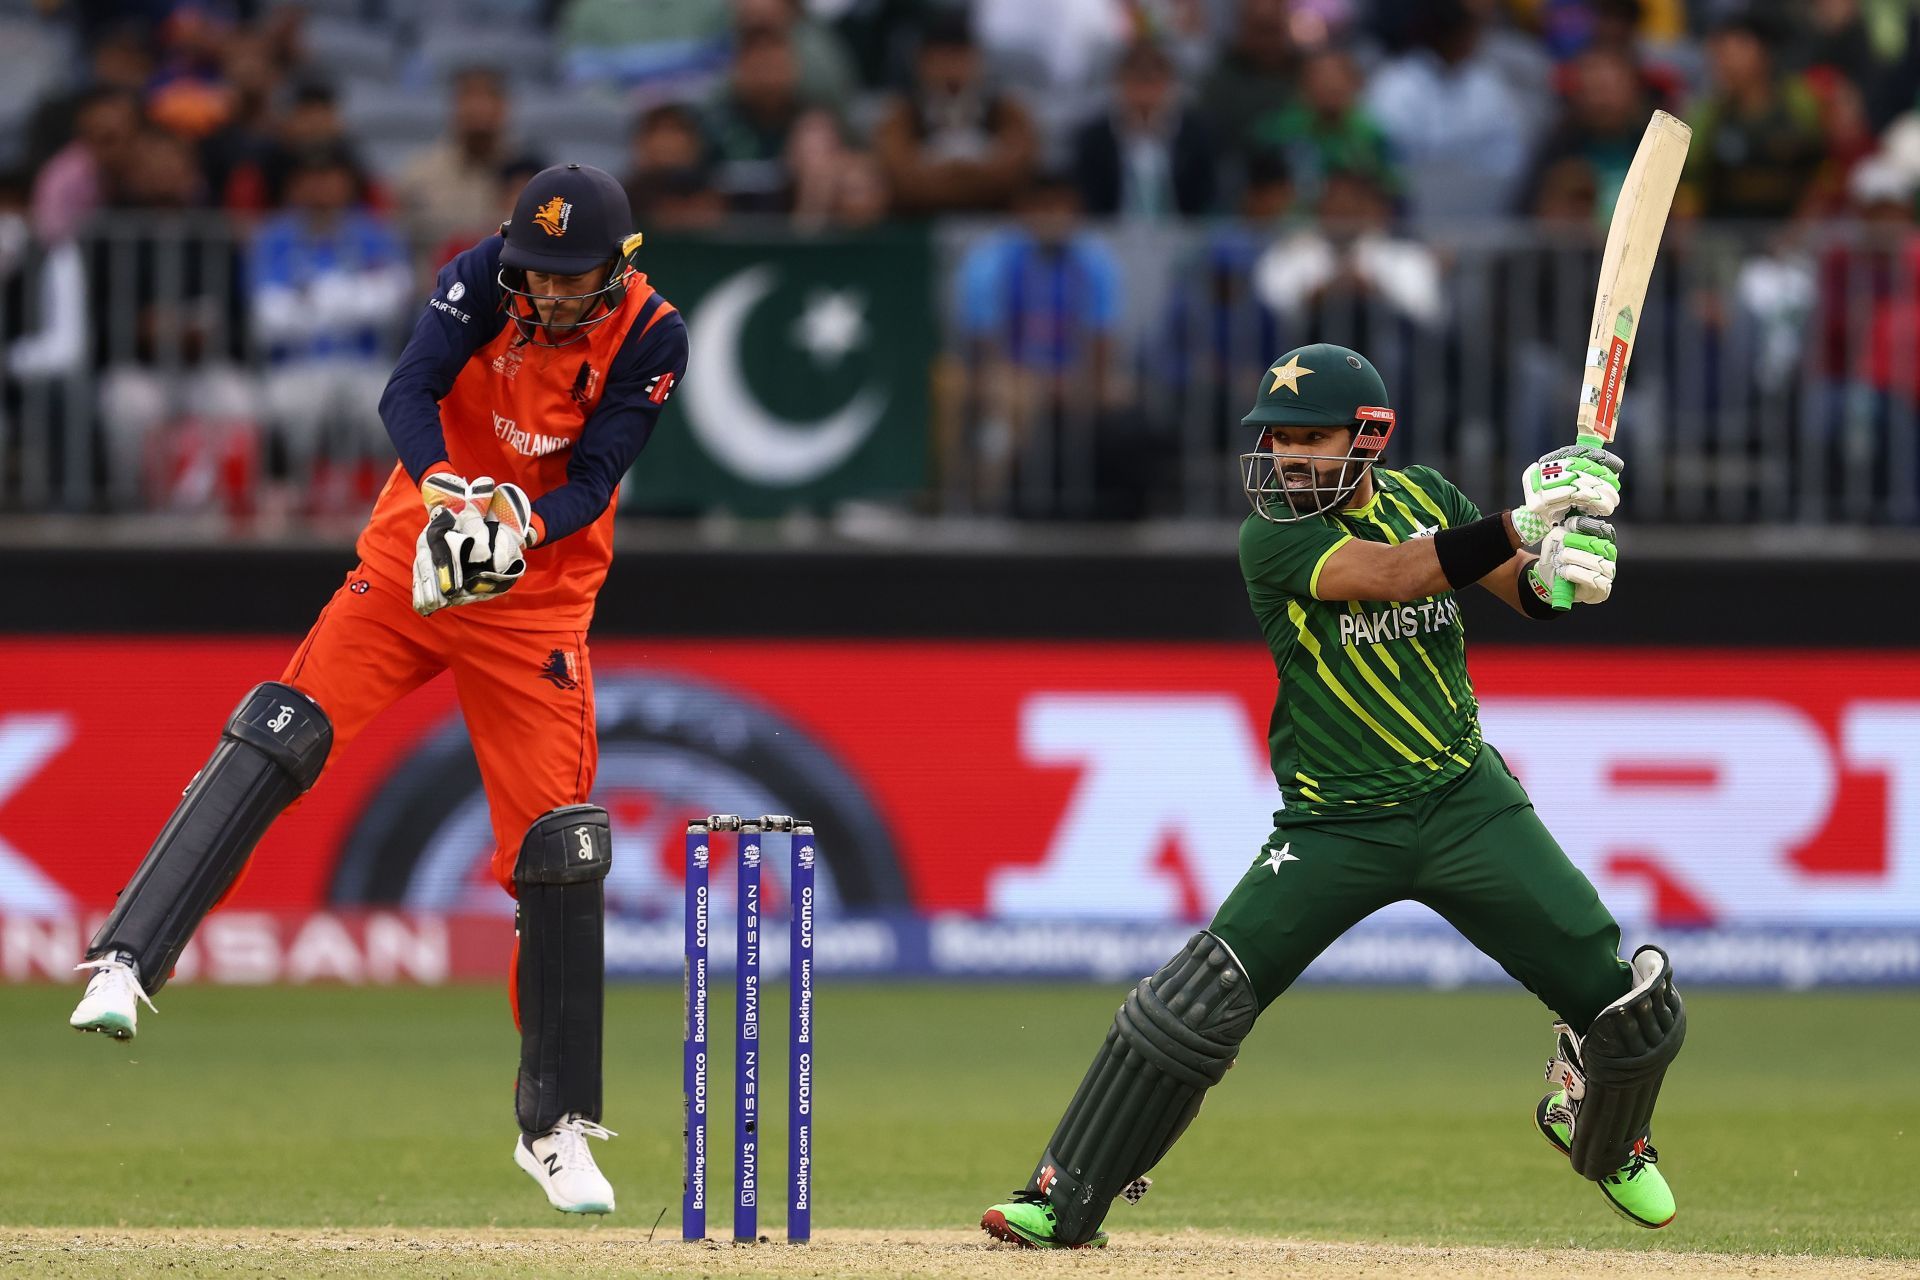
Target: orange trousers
column 526, row 695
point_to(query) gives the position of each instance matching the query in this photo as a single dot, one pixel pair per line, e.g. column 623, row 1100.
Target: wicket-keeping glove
column 507, row 531
column 1581, row 551
column 1576, row 480
column 455, row 527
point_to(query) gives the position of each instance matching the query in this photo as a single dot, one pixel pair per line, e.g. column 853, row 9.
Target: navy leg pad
column 272, row 751
column 561, row 982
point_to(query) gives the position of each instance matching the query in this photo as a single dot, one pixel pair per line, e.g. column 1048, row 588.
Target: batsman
column 1390, row 794
column 535, row 374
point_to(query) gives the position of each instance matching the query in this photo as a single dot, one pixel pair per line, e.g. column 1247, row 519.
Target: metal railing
column 1777, row 380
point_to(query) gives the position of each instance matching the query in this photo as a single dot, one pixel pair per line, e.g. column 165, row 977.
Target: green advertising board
column 807, row 374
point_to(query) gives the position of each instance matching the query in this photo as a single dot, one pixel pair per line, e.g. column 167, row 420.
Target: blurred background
column 935, row 544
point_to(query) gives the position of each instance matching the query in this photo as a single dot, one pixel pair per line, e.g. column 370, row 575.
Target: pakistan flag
column 807, row 374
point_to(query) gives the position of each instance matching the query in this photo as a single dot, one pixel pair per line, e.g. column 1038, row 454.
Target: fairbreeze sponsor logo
column 530, row 443
column 451, row 310
column 458, row 291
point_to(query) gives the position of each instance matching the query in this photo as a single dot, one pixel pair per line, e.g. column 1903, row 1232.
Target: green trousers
column 1474, row 851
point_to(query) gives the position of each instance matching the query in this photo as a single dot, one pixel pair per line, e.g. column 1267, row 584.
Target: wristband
column 1536, row 597
column 1470, row 552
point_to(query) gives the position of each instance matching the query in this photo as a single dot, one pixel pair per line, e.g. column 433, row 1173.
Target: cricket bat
column 1639, row 221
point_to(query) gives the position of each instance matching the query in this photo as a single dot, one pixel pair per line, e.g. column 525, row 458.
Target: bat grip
column 1562, row 589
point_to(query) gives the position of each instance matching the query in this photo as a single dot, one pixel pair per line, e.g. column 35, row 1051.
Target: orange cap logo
column 551, row 217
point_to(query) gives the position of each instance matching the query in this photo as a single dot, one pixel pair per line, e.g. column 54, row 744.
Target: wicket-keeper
column 532, row 379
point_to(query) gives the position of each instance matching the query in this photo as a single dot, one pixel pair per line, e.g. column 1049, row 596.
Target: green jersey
column 1374, row 705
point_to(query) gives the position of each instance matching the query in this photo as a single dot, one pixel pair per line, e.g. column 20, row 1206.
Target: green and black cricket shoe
column 1027, row 1220
column 1638, row 1191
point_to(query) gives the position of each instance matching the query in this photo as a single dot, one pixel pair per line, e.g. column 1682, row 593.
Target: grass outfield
column 1790, row 1126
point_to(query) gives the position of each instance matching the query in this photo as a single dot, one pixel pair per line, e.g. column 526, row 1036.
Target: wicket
column 751, row 836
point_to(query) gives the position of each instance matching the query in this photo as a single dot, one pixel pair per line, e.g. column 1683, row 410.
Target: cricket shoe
column 1637, row 1190
column 1027, row 1220
column 113, row 999
column 559, row 1161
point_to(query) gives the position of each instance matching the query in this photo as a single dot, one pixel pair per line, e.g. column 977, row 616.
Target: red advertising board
column 1012, row 780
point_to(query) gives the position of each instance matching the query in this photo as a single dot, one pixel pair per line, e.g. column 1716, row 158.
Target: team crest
column 552, row 216
column 562, row 669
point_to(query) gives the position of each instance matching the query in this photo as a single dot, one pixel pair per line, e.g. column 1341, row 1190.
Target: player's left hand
column 1576, row 480
column 507, row 531
column 1580, row 551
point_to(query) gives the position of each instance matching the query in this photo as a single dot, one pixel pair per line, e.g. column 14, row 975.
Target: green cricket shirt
column 1374, row 705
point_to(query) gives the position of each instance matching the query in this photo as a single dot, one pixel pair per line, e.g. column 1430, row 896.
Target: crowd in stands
column 358, row 143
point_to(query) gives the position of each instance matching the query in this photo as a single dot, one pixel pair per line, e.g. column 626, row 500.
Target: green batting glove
column 1576, row 564
column 1577, row 480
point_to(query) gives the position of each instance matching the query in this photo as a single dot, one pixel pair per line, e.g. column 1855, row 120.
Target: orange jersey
column 564, row 423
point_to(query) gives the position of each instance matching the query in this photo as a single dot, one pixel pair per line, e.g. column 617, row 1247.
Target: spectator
column 1254, row 77
column 1868, row 356
column 751, row 119
column 327, row 277
column 1326, row 128
column 485, row 221
column 951, row 145
column 79, row 178
column 1147, row 157
column 121, row 59
column 684, row 200
column 1057, row 50
column 666, row 140
column 53, row 298
column 1756, row 135
column 1350, row 274
column 252, row 76
column 1039, row 305
column 824, row 71
column 1846, row 140
column 442, row 186
column 1459, row 127
column 188, row 95
column 310, row 122
column 1218, row 334
column 1601, row 125
column 834, row 186
column 168, row 334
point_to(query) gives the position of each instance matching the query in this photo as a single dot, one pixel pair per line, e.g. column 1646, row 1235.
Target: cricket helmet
column 1325, row 386
column 567, row 220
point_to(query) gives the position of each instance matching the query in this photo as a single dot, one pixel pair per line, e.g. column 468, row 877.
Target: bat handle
column 1562, row 589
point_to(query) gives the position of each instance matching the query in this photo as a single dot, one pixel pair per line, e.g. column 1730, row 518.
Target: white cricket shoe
column 113, row 999
column 560, row 1162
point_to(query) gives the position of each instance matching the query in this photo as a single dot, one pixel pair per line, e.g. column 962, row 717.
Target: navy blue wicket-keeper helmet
column 567, row 221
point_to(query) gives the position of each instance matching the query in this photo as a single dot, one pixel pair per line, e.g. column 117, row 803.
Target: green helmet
column 1317, row 386
column 1321, row 385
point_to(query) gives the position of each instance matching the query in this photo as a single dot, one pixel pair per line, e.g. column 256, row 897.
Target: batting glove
column 1581, row 552
column 1576, row 480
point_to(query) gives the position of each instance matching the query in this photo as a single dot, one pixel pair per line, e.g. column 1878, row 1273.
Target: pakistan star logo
column 1278, row 856
column 1288, row 375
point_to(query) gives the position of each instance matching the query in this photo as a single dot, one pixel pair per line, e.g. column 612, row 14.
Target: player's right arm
column 1418, row 567
column 462, row 315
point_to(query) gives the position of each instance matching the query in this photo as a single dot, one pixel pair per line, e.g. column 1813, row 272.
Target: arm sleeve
column 462, row 316
column 1279, row 560
column 648, row 367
